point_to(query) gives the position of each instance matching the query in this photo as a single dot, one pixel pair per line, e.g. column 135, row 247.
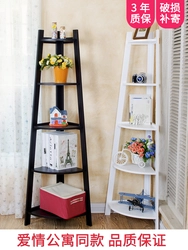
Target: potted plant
column 142, row 148
column 60, row 63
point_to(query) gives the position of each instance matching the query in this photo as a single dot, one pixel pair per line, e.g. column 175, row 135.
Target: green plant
column 145, row 148
column 56, row 61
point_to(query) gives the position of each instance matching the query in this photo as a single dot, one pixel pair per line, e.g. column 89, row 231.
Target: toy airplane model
column 137, row 200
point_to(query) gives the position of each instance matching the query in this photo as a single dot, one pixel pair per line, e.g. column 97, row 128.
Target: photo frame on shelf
column 141, row 33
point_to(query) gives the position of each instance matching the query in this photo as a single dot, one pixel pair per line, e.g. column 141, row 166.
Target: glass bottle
column 54, row 30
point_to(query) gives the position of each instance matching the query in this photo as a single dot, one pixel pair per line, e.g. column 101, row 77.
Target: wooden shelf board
column 58, row 40
column 46, row 125
column 135, row 213
column 37, row 211
column 140, row 84
column 47, row 170
column 135, row 169
column 127, row 125
column 57, row 84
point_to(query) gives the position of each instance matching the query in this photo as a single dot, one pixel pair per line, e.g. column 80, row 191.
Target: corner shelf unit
column 35, row 126
column 148, row 172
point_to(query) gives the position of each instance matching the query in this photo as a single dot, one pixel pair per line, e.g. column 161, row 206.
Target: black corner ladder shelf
column 59, row 49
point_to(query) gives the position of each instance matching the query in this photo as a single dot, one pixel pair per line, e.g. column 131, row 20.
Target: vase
column 138, row 160
column 60, row 75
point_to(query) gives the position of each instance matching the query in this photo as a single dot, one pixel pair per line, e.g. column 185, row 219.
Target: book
column 140, row 109
column 51, row 155
column 59, row 150
column 65, row 150
column 47, row 150
column 44, row 150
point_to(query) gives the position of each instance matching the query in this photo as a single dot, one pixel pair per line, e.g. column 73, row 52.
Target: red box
column 62, row 200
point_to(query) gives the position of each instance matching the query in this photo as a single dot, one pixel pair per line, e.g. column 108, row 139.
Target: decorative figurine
column 58, row 118
column 62, row 32
column 137, row 201
column 140, row 78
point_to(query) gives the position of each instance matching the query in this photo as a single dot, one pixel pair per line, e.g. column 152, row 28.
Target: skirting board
column 98, row 208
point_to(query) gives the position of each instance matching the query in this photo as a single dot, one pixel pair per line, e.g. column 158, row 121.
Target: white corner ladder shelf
column 150, row 173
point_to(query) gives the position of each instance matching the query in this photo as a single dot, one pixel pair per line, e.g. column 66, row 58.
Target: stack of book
column 59, row 150
column 140, row 109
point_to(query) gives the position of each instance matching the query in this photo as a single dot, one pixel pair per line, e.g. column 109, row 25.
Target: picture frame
column 141, row 33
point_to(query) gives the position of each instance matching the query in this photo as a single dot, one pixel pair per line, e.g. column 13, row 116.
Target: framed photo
column 141, row 33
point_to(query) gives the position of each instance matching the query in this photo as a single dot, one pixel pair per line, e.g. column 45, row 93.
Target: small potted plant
column 141, row 149
column 60, row 63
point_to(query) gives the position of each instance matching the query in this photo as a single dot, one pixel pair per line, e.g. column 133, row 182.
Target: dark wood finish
column 60, row 84
column 46, row 170
column 36, row 211
column 71, row 125
column 59, row 49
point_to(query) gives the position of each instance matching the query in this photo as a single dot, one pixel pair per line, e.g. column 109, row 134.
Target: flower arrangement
column 145, row 148
column 56, row 61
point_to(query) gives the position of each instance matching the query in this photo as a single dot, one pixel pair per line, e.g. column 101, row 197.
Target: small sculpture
column 121, row 158
column 62, row 32
column 58, row 118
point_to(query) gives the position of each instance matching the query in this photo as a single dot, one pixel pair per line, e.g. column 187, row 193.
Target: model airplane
column 137, row 200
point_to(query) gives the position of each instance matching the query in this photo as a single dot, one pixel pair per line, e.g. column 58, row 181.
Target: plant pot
column 60, row 75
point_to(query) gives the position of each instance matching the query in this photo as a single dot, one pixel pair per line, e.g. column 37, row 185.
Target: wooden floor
column 99, row 221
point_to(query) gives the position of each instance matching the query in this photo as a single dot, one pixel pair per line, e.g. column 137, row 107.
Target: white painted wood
column 135, row 169
column 148, row 84
column 136, row 213
column 153, row 88
column 127, row 125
